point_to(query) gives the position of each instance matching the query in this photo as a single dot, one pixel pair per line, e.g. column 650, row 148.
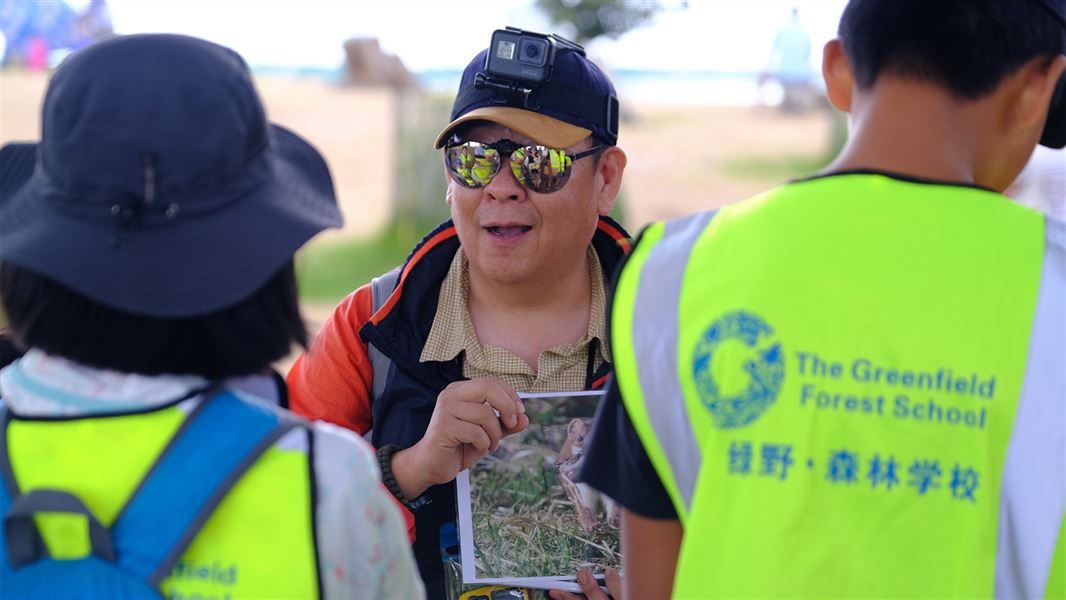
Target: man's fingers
column 500, row 396
column 468, row 433
column 523, row 422
column 509, row 408
column 614, row 583
column 505, row 401
column 483, row 416
column 589, row 586
column 509, row 391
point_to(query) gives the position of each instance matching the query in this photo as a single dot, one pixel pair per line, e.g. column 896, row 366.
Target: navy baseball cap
column 576, row 102
column 158, row 187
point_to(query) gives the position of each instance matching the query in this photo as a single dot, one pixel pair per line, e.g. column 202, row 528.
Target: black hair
column 967, row 46
column 240, row 340
column 9, row 351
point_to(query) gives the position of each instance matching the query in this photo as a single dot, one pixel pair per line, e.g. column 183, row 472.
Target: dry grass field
column 682, row 158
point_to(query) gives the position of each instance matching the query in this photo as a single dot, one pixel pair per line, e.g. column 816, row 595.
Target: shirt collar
column 453, row 332
column 39, row 384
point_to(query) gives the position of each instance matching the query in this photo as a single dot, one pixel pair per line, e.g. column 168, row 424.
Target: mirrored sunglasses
column 538, row 168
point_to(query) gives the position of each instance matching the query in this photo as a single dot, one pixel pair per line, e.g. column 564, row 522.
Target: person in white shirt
column 146, row 270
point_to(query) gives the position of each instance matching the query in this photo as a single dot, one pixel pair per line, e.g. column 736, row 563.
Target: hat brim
column 542, row 129
column 191, row 265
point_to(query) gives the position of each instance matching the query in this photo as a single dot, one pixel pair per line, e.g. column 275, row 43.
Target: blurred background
column 720, row 99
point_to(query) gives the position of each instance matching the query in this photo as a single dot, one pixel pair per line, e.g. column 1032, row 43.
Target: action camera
column 524, row 56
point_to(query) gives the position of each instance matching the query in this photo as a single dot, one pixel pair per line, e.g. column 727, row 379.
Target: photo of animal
column 529, row 514
column 586, row 500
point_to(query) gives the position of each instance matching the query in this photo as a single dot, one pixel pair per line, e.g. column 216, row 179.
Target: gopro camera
column 518, row 72
column 524, row 56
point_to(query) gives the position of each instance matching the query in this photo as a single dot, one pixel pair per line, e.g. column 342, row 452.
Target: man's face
column 511, row 235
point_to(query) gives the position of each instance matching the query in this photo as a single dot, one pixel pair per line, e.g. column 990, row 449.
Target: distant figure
column 1042, row 183
column 790, row 65
column 37, row 53
column 93, row 24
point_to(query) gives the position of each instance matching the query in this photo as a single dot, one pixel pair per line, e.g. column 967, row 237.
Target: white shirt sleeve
column 362, row 541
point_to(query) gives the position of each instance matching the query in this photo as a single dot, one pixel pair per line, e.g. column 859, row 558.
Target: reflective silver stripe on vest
column 1034, row 478
column 655, row 335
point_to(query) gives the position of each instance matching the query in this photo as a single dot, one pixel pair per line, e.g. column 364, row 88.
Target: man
column 789, row 65
column 508, row 295
column 135, row 459
column 853, row 385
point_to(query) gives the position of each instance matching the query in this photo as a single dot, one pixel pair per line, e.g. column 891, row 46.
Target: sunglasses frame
column 507, row 148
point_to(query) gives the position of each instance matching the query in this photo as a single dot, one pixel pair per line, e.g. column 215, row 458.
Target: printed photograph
column 528, row 516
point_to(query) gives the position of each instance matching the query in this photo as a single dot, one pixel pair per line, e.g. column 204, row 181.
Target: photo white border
column 466, row 526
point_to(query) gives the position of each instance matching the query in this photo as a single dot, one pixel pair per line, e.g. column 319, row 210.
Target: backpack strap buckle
column 24, row 541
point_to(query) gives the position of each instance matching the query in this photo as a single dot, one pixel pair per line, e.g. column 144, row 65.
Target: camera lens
column 533, row 51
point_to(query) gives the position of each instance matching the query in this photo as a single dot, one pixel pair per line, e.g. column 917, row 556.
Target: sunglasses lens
column 472, row 164
column 542, row 170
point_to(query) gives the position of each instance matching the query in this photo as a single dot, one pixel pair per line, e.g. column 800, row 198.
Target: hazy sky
column 722, row 35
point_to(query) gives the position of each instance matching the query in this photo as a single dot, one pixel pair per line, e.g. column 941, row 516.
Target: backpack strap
column 8, row 490
column 222, row 438
column 23, row 542
column 380, row 290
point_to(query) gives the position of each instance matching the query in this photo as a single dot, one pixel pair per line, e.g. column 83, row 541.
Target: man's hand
column 591, row 589
column 469, row 420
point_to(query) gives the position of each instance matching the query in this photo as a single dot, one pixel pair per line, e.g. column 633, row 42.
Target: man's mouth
column 508, row 231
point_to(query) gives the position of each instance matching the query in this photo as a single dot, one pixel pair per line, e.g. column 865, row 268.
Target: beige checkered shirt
column 562, row 368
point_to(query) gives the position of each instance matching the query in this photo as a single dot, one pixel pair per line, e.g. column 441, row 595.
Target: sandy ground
column 332, row 118
column 675, row 153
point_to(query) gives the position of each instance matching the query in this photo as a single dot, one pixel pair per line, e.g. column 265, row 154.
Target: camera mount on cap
column 518, row 72
column 517, row 57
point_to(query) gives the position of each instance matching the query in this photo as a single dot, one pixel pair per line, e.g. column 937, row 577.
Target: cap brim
column 542, row 129
column 196, row 264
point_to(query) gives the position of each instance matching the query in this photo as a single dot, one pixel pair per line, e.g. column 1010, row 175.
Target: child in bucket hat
column 158, row 187
column 146, row 268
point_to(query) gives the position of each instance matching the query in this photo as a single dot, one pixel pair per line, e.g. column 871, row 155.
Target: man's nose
column 504, row 186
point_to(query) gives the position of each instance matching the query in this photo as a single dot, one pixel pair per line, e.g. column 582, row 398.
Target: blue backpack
column 215, row 445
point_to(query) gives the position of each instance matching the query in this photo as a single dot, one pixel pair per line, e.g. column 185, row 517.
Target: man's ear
column 1029, row 93
column 839, row 79
column 609, row 170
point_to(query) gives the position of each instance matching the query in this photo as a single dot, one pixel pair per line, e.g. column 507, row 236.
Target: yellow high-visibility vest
column 257, row 542
column 853, row 387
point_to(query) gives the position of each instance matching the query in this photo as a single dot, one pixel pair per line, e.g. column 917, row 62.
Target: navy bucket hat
column 578, row 101
column 158, row 187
